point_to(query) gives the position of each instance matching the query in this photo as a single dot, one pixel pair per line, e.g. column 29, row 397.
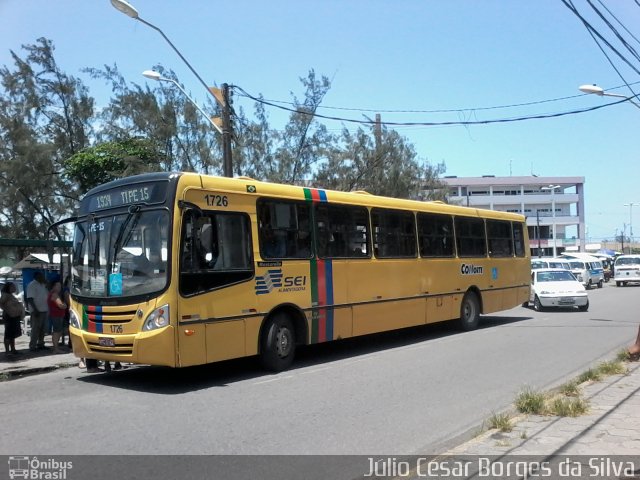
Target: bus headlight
column 74, row 321
column 159, row 318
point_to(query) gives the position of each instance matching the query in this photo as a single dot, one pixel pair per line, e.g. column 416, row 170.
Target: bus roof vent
column 361, row 192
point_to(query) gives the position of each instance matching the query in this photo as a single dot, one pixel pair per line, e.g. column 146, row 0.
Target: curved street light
column 130, row 11
column 596, row 90
column 153, row 75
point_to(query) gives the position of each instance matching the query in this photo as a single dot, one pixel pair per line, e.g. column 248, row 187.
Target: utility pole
column 227, row 132
column 538, row 230
column 222, row 96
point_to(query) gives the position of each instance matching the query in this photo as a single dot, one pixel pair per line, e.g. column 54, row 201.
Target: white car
column 557, row 288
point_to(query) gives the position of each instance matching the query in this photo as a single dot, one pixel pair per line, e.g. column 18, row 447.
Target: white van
column 587, row 269
column 626, row 269
column 547, row 262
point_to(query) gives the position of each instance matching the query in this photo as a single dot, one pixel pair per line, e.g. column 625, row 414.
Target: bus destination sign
column 127, row 195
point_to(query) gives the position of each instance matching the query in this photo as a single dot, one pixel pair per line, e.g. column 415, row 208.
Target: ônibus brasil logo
column 34, row 468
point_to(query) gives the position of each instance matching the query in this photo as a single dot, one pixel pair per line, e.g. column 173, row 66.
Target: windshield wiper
column 134, row 211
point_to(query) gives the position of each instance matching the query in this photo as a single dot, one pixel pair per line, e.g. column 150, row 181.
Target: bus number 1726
column 216, row 200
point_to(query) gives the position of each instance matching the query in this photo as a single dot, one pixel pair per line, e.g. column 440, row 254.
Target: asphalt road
column 416, row 391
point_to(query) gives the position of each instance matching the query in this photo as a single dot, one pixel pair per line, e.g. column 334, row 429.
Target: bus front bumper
column 156, row 347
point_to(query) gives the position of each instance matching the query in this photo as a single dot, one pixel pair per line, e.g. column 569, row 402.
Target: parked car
column 557, row 288
column 626, row 269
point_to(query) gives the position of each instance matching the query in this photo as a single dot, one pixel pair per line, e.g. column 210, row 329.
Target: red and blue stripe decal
column 91, row 315
column 321, row 284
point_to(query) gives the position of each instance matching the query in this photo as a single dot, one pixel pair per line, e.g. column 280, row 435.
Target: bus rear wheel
column 469, row 312
column 278, row 343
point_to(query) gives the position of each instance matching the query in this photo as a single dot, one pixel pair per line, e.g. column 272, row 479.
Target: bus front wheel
column 278, row 343
column 469, row 312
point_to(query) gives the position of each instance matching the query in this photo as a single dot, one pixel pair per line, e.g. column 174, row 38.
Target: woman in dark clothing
column 13, row 313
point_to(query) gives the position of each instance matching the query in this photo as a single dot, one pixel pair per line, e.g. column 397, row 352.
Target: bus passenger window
column 500, row 238
column 435, row 235
column 216, row 251
column 284, row 229
column 342, row 231
column 394, row 233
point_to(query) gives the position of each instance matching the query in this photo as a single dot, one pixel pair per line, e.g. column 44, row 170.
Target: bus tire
column 278, row 343
column 469, row 312
column 601, row 284
column 618, row 284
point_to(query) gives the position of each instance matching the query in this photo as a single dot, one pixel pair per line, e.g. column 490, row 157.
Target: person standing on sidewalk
column 634, row 350
column 37, row 300
column 13, row 313
column 57, row 309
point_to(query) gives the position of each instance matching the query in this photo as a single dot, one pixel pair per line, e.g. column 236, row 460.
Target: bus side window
column 284, row 229
column 215, row 251
column 342, row 231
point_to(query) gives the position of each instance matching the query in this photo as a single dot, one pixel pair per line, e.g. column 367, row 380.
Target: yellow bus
column 182, row 269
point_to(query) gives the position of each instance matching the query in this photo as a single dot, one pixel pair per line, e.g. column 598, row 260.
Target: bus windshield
column 121, row 255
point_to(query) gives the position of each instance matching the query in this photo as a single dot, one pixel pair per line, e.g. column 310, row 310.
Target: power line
column 427, row 124
column 593, row 32
column 449, row 110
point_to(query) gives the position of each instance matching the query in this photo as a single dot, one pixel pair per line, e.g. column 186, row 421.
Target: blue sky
column 422, row 55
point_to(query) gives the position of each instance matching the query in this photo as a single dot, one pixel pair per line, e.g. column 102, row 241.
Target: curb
column 9, row 374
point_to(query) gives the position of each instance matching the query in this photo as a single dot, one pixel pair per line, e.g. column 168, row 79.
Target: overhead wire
column 427, row 124
column 616, row 19
column 594, row 33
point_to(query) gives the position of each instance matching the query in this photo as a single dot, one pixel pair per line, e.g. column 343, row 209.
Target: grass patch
column 590, row 375
column 612, row 368
column 529, row 401
column 570, row 389
column 623, row 356
column 501, row 421
column 568, row 407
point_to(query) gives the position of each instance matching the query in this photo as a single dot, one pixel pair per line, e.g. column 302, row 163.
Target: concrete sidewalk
column 610, row 427
column 26, row 362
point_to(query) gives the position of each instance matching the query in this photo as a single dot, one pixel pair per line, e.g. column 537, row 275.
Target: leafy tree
column 290, row 155
column 111, row 160
column 165, row 117
column 45, row 116
column 381, row 162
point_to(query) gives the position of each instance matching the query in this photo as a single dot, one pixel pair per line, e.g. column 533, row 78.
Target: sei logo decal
column 275, row 279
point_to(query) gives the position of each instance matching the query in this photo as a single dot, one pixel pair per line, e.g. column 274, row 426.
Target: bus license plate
column 106, row 342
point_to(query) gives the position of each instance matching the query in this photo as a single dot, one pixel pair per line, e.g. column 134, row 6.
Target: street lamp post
column 630, row 205
column 552, row 188
column 153, row 75
column 130, row 11
column 596, row 90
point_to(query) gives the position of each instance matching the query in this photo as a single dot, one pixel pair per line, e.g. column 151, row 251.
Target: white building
column 553, row 206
